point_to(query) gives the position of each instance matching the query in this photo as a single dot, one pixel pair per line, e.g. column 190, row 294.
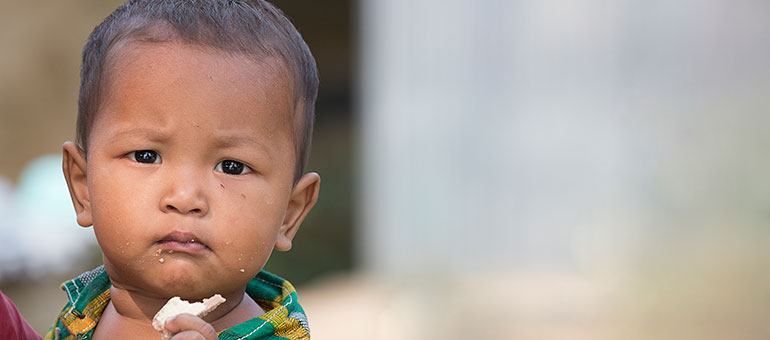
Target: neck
column 135, row 307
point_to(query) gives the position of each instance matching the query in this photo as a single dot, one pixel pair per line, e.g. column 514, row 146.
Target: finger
column 188, row 322
column 188, row 335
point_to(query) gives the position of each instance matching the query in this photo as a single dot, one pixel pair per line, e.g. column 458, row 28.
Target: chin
column 166, row 280
column 180, row 282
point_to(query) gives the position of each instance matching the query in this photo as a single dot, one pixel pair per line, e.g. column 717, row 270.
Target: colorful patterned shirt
column 89, row 294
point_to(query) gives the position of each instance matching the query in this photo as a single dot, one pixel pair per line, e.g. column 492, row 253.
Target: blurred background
column 491, row 170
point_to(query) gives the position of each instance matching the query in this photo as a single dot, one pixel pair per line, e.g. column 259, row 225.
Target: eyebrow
column 151, row 134
column 237, row 140
column 232, row 141
column 220, row 142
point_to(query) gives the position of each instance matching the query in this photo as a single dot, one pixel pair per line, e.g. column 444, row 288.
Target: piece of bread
column 176, row 306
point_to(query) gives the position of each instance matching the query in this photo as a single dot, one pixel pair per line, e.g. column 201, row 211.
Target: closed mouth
column 182, row 242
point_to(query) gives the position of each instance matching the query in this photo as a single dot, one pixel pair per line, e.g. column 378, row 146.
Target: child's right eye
column 144, row 156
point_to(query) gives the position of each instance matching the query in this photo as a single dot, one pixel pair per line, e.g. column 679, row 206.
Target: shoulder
column 13, row 325
column 284, row 317
column 87, row 296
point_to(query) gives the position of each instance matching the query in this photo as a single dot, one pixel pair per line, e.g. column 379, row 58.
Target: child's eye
column 231, row 167
column 145, row 156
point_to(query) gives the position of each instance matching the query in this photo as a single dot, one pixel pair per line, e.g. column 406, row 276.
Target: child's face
column 190, row 170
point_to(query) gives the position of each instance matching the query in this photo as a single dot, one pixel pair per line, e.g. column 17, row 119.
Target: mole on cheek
column 243, row 196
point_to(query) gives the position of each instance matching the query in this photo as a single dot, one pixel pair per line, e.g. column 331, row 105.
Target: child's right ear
column 74, row 167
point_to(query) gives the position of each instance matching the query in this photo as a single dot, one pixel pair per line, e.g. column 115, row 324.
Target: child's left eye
column 232, row 167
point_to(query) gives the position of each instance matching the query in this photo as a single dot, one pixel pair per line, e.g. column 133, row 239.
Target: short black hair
column 254, row 28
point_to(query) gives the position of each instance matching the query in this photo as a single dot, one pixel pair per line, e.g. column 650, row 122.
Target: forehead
column 169, row 87
column 213, row 78
column 129, row 55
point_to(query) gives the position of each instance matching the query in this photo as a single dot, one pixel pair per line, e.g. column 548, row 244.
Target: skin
column 194, row 108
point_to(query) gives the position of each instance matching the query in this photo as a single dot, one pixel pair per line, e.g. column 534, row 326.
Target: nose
column 185, row 196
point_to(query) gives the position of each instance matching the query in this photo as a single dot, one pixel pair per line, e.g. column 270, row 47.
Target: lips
column 182, row 242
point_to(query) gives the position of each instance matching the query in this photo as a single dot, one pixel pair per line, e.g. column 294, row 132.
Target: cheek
column 253, row 208
column 249, row 249
column 115, row 209
column 115, row 200
column 251, row 226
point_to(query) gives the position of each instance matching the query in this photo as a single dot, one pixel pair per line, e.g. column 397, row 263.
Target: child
column 193, row 131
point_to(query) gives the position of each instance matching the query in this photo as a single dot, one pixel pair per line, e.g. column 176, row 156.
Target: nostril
column 172, row 208
column 184, row 204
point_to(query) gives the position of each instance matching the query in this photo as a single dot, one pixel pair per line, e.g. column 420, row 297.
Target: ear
column 302, row 199
column 74, row 167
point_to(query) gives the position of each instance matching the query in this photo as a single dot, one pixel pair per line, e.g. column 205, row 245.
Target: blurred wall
column 508, row 130
column 624, row 142
column 39, row 67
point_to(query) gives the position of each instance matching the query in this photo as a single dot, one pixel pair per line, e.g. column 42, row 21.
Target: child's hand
column 190, row 327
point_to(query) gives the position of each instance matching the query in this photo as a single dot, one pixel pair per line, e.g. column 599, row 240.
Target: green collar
column 89, row 294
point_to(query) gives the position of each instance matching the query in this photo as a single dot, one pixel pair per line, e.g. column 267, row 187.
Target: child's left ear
column 302, row 199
